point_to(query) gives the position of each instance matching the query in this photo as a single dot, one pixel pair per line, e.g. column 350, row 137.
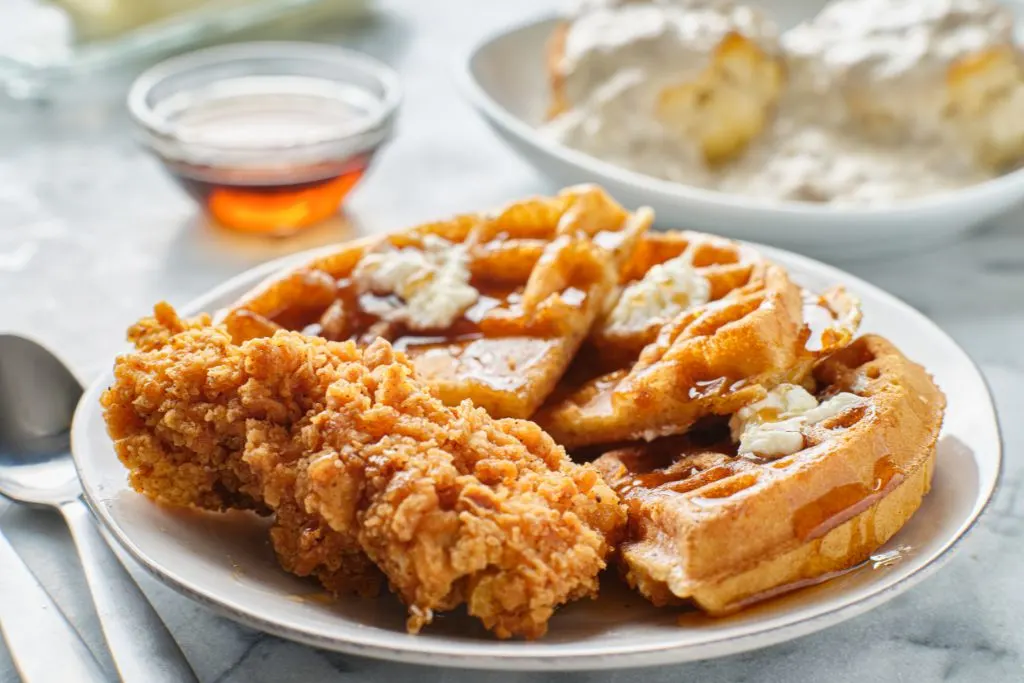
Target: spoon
column 38, row 395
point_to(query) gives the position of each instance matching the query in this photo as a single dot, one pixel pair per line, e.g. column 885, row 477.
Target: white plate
column 224, row 561
column 505, row 79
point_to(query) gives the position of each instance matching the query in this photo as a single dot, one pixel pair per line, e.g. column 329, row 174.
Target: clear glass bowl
column 268, row 137
column 46, row 53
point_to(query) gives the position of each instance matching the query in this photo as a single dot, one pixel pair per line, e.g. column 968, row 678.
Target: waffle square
column 726, row 530
column 538, row 274
column 709, row 358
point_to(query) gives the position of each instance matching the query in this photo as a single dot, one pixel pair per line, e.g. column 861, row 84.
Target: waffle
column 538, row 275
column 708, row 359
column 725, row 264
column 725, row 530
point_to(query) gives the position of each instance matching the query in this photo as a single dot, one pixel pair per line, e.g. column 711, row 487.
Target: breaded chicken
column 363, row 466
column 453, row 505
column 186, row 408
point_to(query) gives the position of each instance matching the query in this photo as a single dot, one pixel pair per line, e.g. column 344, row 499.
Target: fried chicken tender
column 363, row 466
column 453, row 505
column 184, row 411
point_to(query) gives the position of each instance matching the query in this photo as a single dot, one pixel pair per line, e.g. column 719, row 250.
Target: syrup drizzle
column 877, row 561
column 845, row 502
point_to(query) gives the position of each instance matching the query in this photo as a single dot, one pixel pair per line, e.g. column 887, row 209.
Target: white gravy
column 860, row 121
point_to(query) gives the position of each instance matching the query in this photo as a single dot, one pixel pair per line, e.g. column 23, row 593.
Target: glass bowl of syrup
column 268, row 137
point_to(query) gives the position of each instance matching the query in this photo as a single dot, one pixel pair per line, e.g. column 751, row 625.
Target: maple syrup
column 846, row 501
column 267, row 137
column 265, row 180
column 279, row 206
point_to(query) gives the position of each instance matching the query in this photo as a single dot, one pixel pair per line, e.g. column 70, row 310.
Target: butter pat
column 665, row 291
column 432, row 283
column 773, row 426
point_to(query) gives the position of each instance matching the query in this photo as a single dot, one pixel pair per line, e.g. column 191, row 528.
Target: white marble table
column 92, row 234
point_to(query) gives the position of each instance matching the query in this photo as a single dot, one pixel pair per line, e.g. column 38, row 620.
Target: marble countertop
column 92, row 234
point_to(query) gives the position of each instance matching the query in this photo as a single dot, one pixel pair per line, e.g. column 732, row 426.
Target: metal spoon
column 38, row 395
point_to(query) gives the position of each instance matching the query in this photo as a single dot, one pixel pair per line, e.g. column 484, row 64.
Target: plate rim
column 650, row 655
column 978, row 194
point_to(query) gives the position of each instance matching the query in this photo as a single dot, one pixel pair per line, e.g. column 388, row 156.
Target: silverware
column 42, row 643
column 38, row 395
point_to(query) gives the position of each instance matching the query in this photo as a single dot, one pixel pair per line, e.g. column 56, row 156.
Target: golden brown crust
column 550, row 262
column 710, row 359
column 453, row 505
column 364, row 467
column 724, row 530
column 179, row 428
column 156, row 331
column 187, row 408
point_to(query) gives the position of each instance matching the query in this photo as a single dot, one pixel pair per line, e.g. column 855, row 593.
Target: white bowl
column 505, row 79
column 225, row 562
